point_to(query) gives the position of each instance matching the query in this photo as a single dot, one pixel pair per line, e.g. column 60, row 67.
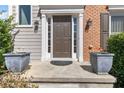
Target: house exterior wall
column 92, row 35
column 28, row 40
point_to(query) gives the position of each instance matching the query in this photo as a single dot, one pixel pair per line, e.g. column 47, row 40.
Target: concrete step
column 103, row 79
column 74, row 82
column 74, row 85
column 71, row 74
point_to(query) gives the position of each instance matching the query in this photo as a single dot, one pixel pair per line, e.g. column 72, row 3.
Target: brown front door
column 62, row 36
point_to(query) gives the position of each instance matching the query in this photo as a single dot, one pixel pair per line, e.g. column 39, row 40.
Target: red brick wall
column 92, row 34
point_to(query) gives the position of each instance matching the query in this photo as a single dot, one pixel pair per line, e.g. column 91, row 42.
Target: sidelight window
column 49, row 35
column 75, row 33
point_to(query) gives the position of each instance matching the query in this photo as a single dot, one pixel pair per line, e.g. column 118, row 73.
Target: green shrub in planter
column 6, row 44
column 116, row 46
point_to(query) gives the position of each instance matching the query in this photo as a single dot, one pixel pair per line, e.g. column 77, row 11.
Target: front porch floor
column 48, row 74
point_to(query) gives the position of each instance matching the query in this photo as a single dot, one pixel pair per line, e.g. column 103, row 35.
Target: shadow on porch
column 66, row 74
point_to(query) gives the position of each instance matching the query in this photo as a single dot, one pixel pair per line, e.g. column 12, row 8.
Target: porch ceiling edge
column 46, row 7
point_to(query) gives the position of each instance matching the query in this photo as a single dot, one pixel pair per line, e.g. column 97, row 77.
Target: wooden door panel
column 62, row 36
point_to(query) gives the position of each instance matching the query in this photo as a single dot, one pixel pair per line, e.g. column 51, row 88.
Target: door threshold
column 63, row 59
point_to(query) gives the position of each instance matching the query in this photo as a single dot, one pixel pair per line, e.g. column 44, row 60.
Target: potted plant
column 15, row 61
column 101, row 62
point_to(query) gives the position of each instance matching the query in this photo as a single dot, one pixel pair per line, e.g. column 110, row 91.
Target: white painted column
column 109, row 25
column 43, row 38
column 80, row 35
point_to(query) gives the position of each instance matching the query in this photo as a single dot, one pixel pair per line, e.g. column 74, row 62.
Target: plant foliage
column 116, row 46
column 6, row 44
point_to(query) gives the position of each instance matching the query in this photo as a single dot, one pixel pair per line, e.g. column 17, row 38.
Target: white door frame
column 45, row 56
column 73, row 55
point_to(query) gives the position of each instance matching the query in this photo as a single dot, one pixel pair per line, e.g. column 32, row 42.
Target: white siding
column 27, row 39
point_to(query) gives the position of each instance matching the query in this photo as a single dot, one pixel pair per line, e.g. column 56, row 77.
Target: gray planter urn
column 17, row 62
column 101, row 62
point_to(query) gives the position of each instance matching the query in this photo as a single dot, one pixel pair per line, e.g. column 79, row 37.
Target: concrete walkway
column 49, row 74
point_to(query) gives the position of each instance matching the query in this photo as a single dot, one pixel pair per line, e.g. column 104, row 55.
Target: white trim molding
column 53, row 7
column 45, row 56
column 72, row 11
column 109, row 25
column 80, row 55
column 116, row 7
column 43, row 38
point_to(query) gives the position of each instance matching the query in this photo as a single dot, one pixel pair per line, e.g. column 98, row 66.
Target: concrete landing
column 48, row 73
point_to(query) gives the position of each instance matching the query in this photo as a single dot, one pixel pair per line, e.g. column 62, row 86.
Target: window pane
column 49, row 49
column 75, row 49
column 117, row 23
column 74, row 42
column 49, row 36
column 75, row 20
column 49, row 28
column 75, row 35
column 49, row 20
column 24, row 14
column 49, row 43
column 75, row 27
